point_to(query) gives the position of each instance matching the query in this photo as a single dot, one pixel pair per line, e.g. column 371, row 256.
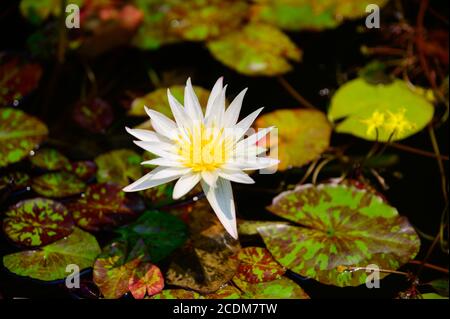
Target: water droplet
column 195, row 198
column 324, row 92
column 32, row 153
column 16, row 102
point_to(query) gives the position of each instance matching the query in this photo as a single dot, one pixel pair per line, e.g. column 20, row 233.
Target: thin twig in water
column 294, row 93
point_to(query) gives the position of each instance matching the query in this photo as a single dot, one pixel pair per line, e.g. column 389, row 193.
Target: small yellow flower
column 397, row 123
column 374, row 122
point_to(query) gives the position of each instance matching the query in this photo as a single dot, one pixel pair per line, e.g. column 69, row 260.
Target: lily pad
column 85, row 170
column 161, row 233
column 250, row 227
column 340, row 228
column 256, row 265
column 177, row 294
column 146, row 279
column 303, row 135
column 282, row 288
column 157, row 100
column 204, row 264
column 49, row 159
column 225, row 292
column 118, row 166
column 200, row 20
column 103, row 206
column 57, row 185
column 18, row 79
column 14, row 181
column 49, row 262
column 94, row 115
column 37, row 222
column 257, row 49
column 383, row 112
column 20, row 133
column 38, row 11
column 113, row 270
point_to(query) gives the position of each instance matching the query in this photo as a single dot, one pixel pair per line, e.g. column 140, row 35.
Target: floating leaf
column 432, row 295
column 257, row 49
column 250, row 227
column 50, row 262
column 18, row 79
column 157, row 100
column 177, row 294
column 58, row 185
column 302, row 135
column 49, row 159
column 383, row 112
column 282, row 288
column 257, row 265
column 94, row 115
column 14, row 181
column 440, row 286
column 204, row 263
column 201, row 20
column 160, row 195
column 113, row 270
column 84, row 170
column 20, row 133
column 225, row 292
column 161, row 233
column 146, row 279
column 104, row 205
column 119, row 166
column 38, row 11
column 37, row 222
column 343, row 227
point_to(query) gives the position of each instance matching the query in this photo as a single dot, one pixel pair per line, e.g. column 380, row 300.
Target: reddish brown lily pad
column 104, row 205
column 340, row 228
column 37, row 222
column 14, row 180
column 20, row 133
column 84, row 170
column 58, row 185
column 257, row 265
column 177, row 294
column 95, row 115
column 146, row 279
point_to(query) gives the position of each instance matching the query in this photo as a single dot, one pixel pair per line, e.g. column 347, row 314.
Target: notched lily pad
column 118, row 166
column 49, row 262
column 257, row 49
column 20, row 133
column 103, row 206
column 340, row 228
column 382, row 112
column 146, row 279
column 49, row 159
column 37, row 222
column 303, row 135
column 58, row 185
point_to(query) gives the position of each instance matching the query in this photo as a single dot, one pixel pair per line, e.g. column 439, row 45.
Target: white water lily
column 211, row 149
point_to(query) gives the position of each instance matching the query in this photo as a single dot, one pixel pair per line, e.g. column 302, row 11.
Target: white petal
column 236, row 176
column 210, row 178
column 178, row 112
column 215, row 92
column 217, row 110
column 185, row 184
column 243, row 126
column 147, row 182
column 191, row 103
column 162, row 161
column 258, row 163
column 252, row 139
column 221, row 201
column 157, row 148
column 232, row 112
column 162, row 124
column 169, row 172
column 146, row 135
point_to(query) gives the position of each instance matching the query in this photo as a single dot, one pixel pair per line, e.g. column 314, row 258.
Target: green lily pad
column 440, row 286
column 119, row 166
column 250, row 227
column 37, row 222
column 303, row 135
column 58, row 185
column 157, row 100
column 161, row 233
column 85, row 170
column 296, row 15
column 18, row 79
column 383, row 112
column 282, row 288
column 340, row 228
column 200, row 20
column 146, row 279
column 20, row 133
column 49, row 159
column 204, row 263
column 177, row 294
column 49, row 262
column 103, row 206
column 256, row 265
column 257, row 49
column 432, row 295
column 14, row 181
column 113, row 270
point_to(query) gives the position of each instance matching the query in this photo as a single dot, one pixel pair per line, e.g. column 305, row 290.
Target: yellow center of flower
column 203, row 149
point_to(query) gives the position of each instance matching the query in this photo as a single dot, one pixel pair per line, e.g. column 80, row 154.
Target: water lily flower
column 211, row 149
